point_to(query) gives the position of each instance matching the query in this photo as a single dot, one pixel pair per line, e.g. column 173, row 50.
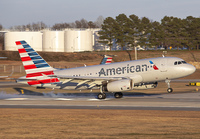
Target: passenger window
column 175, row 63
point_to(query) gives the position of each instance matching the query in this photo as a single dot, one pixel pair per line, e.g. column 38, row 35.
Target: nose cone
column 189, row 69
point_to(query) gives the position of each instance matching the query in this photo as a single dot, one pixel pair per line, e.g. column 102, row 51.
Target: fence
column 11, row 68
column 20, row 68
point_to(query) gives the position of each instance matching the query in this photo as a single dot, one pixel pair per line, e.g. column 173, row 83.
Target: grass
column 44, row 123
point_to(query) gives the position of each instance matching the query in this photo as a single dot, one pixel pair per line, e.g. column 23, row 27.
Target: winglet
column 106, row 60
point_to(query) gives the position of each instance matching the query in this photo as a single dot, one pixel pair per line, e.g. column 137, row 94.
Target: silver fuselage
column 139, row 71
column 166, row 69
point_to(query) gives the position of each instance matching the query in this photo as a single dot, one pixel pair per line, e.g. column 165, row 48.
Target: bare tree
column 91, row 25
column 99, row 21
column 61, row 26
column 84, row 23
column 31, row 27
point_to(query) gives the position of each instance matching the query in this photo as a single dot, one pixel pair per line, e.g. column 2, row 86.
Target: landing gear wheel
column 118, row 95
column 169, row 90
column 101, row 96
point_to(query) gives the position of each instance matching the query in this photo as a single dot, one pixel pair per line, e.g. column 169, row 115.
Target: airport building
column 69, row 40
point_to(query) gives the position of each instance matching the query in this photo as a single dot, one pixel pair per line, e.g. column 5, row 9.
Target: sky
column 23, row 12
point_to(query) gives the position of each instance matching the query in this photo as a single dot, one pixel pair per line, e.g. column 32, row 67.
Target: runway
column 185, row 100
column 189, row 101
column 9, row 84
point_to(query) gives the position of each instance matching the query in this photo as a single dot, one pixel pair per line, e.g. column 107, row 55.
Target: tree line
column 133, row 31
column 83, row 23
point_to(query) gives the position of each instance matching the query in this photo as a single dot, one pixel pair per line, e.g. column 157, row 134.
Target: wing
column 91, row 81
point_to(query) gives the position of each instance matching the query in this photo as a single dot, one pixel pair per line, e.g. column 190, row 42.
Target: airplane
column 115, row 77
column 106, row 60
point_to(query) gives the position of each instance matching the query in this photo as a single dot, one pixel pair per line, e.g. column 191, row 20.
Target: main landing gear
column 103, row 95
column 169, row 90
column 118, row 95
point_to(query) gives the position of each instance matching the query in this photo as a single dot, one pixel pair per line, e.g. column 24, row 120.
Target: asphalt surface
column 184, row 101
column 181, row 101
column 11, row 84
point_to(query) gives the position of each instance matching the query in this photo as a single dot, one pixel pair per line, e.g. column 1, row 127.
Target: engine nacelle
column 118, row 86
column 146, row 86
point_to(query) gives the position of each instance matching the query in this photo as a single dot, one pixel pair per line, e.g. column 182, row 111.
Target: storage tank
column 96, row 45
column 78, row 40
column 53, row 41
column 32, row 38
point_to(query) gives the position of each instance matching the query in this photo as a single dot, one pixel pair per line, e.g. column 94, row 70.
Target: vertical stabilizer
column 106, row 60
column 35, row 66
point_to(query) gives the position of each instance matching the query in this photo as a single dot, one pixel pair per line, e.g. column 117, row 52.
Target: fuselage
column 166, row 69
column 139, row 71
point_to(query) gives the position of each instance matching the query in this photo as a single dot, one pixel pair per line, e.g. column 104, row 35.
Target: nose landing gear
column 169, row 90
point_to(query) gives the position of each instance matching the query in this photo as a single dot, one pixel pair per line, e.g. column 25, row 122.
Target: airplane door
column 163, row 65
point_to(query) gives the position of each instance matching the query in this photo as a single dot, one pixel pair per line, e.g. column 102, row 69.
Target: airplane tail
column 35, row 66
column 106, row 60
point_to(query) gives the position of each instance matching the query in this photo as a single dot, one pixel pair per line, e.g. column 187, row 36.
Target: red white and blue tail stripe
column 106, row 60
column 35, row 66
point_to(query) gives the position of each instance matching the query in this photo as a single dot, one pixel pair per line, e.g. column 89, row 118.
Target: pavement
column 181, row 101
column 14, row 95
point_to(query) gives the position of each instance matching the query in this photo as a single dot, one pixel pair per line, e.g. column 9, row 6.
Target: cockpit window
column 179, row 62
column 184, row 62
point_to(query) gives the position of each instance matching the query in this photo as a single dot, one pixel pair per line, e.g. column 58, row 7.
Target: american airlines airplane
column 106, row 60
column 114, row 77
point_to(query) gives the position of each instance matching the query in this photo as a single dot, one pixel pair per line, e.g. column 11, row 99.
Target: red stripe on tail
column 18, row 43
column 25, row 58
column 22, row 50
column 30, row 67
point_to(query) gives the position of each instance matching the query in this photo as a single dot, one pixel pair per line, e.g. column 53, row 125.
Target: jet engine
column 118, row 86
